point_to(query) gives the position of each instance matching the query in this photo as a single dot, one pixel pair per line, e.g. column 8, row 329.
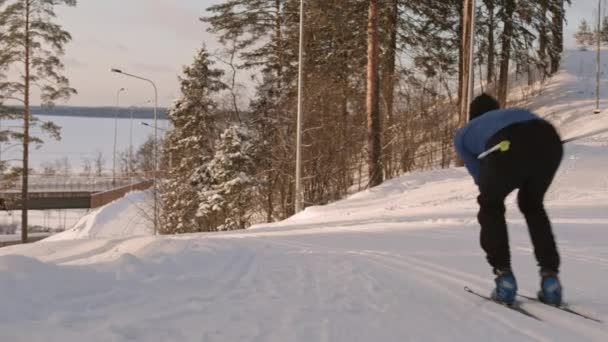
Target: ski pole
column 505, row 145
column 586, row 135
column 502, row 146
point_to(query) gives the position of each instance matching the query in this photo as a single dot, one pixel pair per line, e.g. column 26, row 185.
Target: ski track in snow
column 436, row 276
column 389, row 285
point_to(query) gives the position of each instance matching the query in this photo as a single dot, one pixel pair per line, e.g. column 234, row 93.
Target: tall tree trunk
column 507, row 36
column 461, row 61
column 460, row 64
column 279, row 41
column 373, row 104
column 465, row 60
column 344, row 137
column 558, row 36
column 26, row 128
column 269, row 202
column 464, row 65
column 388, row 85
column 491, row 50
column 543, row 39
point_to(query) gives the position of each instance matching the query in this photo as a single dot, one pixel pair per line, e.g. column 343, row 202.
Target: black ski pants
column 529, row 165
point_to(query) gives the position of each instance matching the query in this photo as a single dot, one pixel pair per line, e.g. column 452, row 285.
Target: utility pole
column 299, row 200
column 598, row 66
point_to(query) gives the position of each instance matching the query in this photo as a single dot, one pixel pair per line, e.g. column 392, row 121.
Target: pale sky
column 155, row 38
column 151, row 38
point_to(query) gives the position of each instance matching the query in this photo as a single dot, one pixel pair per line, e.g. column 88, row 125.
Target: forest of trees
column 587, row 35
column 381, row 84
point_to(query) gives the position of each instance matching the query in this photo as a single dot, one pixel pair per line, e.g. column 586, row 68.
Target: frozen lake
column 81, row 138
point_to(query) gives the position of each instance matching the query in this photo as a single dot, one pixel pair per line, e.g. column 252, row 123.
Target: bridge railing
column 62, row 183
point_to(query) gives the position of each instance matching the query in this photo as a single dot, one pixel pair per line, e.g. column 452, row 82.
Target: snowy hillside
column 569, row 99
column 388, row 264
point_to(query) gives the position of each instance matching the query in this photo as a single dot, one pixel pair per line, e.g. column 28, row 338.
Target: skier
column 530, row 156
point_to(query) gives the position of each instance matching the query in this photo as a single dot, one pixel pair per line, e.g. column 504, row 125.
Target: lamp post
column 597, row 66
column 170, row 152
column 299, row 200
column 131, row 146
column 115, row 134
column 132, row 109
column 148, row 125
column 118, row 71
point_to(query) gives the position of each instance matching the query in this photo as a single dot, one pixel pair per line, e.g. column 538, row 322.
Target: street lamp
column 597, row 66
column 115, row 134
column 132, row 109
column 299, row 201
column 118, row 71
column 164, row 130
column 148, row 125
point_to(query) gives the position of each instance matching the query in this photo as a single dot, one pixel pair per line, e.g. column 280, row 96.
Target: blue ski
column 563, row 307
column 515, row 307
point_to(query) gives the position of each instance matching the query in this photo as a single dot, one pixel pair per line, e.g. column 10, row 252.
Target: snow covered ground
column 128, row 216
column 388, row 264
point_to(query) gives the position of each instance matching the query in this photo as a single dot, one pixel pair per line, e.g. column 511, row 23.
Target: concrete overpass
column 70, row 195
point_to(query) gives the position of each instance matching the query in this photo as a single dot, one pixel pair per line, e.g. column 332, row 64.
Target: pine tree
column 389, row 26
column 334, row 103
column 190, row 144
column 604, row 31
column 524, row 40
column 260, row 30
column 490, row 43
column 144, row 157
column 6, row 134
column 226, row 185
column 434, row 40
column 257, row 26
column 556, row 8
column 543, row 25
column 584, row 35
column 275, row 152
column 31, row 42
column 505, row 54
column 549, row 23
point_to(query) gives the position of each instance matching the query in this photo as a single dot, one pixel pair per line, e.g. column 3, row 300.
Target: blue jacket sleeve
column 470, row 160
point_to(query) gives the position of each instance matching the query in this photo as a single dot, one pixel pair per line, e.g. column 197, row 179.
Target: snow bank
column 128, row 216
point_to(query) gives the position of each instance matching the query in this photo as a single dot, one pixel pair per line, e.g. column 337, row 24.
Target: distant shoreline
column 100, row 112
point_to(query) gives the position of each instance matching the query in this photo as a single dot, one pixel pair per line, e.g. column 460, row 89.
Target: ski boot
column 550, row 288
column 506, row 287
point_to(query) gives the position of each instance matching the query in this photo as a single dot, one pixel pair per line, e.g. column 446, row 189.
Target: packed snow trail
column 387, row 264
column 372, row 284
